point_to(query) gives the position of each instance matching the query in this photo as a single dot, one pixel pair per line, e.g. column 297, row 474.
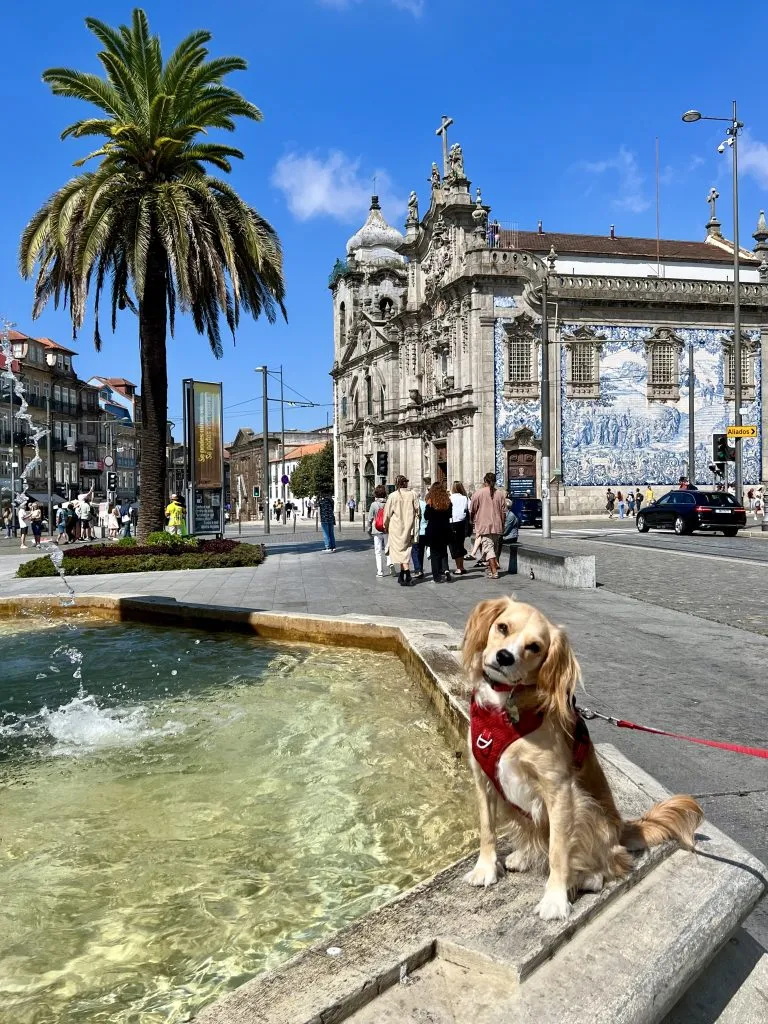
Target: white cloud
column 414, row 7
column 753, row 159
column 332, row 187
column 630, row 194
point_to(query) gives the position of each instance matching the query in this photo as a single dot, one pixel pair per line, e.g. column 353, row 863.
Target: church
column 438, row 351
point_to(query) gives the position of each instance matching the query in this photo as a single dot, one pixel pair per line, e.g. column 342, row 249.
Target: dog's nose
column 505, row 657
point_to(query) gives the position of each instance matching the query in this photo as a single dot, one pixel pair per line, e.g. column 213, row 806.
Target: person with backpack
column 610, row 501
column 377, row 531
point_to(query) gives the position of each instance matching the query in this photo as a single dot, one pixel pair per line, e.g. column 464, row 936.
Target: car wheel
column 730, row 531
column 642, row 524
column 681, row 526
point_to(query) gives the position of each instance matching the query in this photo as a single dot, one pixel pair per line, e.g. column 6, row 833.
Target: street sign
column 746, row 430
column 285, row 479
column 108, row 461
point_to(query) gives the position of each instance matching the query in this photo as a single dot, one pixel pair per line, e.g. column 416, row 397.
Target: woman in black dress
column 438, row 533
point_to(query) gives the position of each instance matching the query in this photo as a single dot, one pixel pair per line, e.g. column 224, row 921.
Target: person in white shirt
column 24, row 516
column 459, row 524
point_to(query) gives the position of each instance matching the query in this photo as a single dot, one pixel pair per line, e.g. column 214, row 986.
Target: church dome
column 375, row 240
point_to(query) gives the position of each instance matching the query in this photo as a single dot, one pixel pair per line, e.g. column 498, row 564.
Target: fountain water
column 37, row 433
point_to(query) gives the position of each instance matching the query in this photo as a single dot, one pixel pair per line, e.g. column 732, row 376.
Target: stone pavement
column 650, row 664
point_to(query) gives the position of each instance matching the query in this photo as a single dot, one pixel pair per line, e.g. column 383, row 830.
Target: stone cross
column 445, row 124
column 712, row 198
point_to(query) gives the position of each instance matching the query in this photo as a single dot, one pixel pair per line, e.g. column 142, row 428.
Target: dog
column 532, row 758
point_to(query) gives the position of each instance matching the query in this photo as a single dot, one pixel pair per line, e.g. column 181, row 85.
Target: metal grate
column 583, row 364
column 520, row 361
column 663, row 365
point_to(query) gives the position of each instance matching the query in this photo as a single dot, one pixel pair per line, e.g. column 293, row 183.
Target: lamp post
column 546, row 508
column 732, row 131
column 265, row 460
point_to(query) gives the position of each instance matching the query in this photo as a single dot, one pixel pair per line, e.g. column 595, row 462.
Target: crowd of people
column 628, row 504
column 72, row 521
column 408, row 529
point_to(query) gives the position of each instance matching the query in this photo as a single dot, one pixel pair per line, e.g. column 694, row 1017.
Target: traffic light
column 382, row 463
column 721, row 450
column 111, row 481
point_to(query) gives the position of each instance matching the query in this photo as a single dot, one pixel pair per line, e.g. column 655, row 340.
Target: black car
column 527, row 510
column 686, row 511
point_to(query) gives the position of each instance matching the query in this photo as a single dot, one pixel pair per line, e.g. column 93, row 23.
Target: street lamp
column 732, row 131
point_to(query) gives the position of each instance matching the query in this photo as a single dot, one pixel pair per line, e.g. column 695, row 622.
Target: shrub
column 163, row 539
column 127, row 542
column 100, row 559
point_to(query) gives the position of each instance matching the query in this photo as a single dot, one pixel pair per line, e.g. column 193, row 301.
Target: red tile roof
column 50, row 343
column 300, row 450
column 619, row 246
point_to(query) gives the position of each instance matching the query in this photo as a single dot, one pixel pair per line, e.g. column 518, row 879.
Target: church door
column 441, row 463
column 521, row 473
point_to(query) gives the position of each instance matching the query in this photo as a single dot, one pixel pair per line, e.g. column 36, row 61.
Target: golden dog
column 549, row 780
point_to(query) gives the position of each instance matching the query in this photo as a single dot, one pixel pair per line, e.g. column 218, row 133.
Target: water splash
column 37, row 433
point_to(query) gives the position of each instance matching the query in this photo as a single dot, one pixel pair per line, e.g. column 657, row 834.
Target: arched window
column 342, row 325
column 356, row 403
column 382, row 401
column 368, row 397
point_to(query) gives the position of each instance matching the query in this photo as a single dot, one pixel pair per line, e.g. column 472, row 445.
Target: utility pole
column 691, row 419
column 282, row 445
column 734, row 138
column 265, row 459
column 546, row 510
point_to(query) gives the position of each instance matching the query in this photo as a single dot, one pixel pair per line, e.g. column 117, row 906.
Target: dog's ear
column 478, row 625
column 559, row 676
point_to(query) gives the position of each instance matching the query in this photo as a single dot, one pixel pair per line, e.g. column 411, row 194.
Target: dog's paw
column 554, row 905
column 518, row 860
column 484, row 873
column 591, row 883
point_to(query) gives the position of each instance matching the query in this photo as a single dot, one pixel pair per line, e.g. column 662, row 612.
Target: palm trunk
column 154, row 393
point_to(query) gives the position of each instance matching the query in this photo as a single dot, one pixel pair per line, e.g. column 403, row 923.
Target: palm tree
column 150, row 223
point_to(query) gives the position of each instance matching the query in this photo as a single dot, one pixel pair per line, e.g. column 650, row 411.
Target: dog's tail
column 676, row 818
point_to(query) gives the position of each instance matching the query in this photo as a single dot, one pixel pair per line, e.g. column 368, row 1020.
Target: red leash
column 622, row 723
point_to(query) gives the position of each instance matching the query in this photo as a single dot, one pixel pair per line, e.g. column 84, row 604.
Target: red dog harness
column 493, row 730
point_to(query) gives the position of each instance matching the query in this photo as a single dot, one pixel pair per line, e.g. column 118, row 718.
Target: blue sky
column 557, row 106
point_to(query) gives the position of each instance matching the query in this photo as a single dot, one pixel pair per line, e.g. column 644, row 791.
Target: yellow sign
column 747, row 430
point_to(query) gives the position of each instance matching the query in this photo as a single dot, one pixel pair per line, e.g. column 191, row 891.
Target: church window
column 582, row 363
column 343, row 407
column 747, row 369
column 368, row 397
column 521, row 374
column 382, row 401
column 663, row 350
column 357, row 407
column 342, row 325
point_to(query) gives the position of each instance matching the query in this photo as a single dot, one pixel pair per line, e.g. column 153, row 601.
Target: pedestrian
column 621, row 505
column 174, row 513
column 751, row 498
column 351, row 506
column 419, row 548
column 731, row 488
column 24, row 516
column 36, row 523
column 758, row 505
column 113, row 525
column 438, row 533
column 511, row 523
column 8, row 521
column 70, row 522
column 649, row 495
column 84, row 518
column 377, row 531
column 459, row 525
column 327, row 516
column 638, row 499
column 630, row 503
column 488, row 512
column 401, row 521
column 61, row 524
column 610, row 501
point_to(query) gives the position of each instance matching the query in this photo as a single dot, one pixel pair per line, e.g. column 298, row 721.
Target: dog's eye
column 534, row 648
column 502, row 628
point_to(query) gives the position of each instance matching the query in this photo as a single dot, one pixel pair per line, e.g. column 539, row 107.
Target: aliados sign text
column 746, row 430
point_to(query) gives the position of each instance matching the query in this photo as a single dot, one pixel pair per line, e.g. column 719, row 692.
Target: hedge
column 100, row 559
column 182, row 547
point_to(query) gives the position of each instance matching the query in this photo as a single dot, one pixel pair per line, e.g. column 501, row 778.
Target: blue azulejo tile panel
column 510, row 414
column 623, row 439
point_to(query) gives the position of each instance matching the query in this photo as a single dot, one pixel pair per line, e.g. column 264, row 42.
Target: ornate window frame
column 663, row 343
column 748, row 352
column 522, row 331
column 583, row 339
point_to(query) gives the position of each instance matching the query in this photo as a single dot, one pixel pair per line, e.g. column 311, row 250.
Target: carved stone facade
column 438, row 349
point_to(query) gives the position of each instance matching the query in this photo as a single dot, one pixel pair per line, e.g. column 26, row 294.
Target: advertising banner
column 204, row 444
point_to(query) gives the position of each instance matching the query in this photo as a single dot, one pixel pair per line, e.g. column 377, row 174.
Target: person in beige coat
column 487, row 511
column 401, row 522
